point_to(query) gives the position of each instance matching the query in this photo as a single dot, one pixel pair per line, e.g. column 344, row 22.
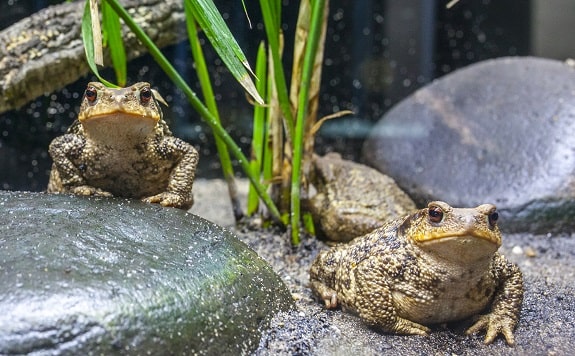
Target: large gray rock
column 105, row 276
column 500, row 131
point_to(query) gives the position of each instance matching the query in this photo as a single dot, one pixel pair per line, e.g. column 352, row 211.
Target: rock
column 102, row 276
column 500, row 131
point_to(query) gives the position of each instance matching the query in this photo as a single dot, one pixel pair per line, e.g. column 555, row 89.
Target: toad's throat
column 115, row 129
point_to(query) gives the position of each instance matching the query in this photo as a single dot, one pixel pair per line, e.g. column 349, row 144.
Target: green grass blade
column 209, row 98
column 88, row 38
column 253, row 199
column 268, row 154
column 247, row 16
column 224, row 43
column 196, row 103
column 259, row 129
column 308, row 224
column 260, row 111
column 113, row 38
column 271, row 12
column 318, row 7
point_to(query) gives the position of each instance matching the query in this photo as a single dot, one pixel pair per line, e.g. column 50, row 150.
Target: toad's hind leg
column 375, row 304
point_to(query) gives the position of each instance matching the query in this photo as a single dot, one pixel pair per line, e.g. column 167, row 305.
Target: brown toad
column 121, row 146
column 353, row 199
column 437, row 265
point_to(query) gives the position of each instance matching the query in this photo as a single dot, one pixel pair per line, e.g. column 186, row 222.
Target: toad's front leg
column 66, row 176
column 325, row 293
column 506, row 306
column 178, row 193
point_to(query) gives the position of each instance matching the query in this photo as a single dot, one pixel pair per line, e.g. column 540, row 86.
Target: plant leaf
column 97, row 33
column 247, row 15
column 259, row 135
column 113, row 38
column 88, row 38
column 209, row 98
column 271, row 12
column 219, row 35
column 318, row 8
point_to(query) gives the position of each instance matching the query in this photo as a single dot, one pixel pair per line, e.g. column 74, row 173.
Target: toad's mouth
column 463, row 235
column 464, row 249
column 118, row 114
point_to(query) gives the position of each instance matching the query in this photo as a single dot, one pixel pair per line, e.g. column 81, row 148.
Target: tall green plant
column 208, row 93
column 282, row 129
column 317, row 14
column 298, row 118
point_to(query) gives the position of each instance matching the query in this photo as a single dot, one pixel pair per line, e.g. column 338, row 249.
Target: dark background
column 377, row 53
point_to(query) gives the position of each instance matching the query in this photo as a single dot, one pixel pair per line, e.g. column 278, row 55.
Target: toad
column 353, row 199
column 436, row 265
column 120, row 146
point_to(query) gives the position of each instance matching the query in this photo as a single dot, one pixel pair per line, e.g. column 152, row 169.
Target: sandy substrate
column 546, row 327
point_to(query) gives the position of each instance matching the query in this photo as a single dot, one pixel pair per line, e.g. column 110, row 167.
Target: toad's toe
column 169, row 199
column 494, row 325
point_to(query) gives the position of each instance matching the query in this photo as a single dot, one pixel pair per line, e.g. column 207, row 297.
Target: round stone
column 501, row 131
column 109, row 276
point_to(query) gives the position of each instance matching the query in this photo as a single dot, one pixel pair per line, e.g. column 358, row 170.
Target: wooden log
column 44, row 51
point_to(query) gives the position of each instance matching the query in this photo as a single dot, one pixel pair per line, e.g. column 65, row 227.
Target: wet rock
column 500, row 131
column 106, row 276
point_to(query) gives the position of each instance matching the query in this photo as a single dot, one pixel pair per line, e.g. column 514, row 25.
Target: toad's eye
column 145, row 95
column 91, row 94
column 493, row 217
column 435, row 214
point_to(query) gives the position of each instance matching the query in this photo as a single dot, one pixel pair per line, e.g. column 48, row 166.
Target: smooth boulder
column 111, row 276
column 500, row 131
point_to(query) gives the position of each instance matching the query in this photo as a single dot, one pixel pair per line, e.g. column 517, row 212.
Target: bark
column 44, row 52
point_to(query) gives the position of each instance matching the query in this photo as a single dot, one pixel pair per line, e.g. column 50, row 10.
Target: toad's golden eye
column 145, row 95
column 493, row 217
column 435, row 214
column 91, row 94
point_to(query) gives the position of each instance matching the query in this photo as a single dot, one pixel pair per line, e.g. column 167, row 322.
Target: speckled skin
column 437, row 265
column 353, row 199
column 120, row 146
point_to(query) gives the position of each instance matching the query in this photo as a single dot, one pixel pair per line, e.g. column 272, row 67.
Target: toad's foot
column 408, row 327
column 494, row 324
column 397, row 325
column 169, row 199
column 89, row 190
column 328, row 295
